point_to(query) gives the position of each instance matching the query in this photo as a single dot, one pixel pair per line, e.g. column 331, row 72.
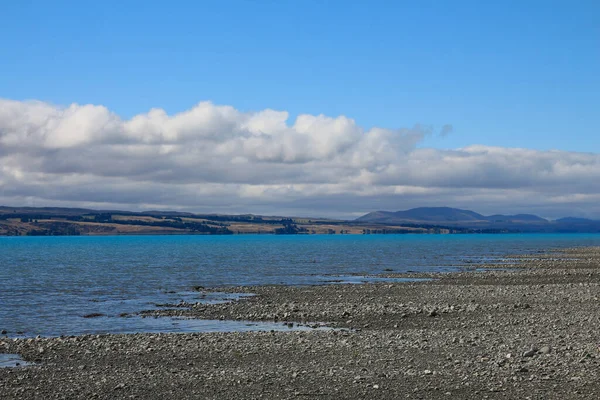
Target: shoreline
column 269, row 233
column 523, row 330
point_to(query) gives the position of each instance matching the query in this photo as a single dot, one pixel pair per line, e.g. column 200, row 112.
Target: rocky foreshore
column 526, row 330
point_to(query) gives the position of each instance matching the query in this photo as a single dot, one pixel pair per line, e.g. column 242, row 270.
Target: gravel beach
column 528, row 330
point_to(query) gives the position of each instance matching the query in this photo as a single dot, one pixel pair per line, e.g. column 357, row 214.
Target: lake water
column 48, row 284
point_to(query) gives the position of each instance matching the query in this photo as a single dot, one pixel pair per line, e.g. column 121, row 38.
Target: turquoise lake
column 48, row 284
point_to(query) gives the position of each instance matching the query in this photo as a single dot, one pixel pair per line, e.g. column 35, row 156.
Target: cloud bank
column 214, row 158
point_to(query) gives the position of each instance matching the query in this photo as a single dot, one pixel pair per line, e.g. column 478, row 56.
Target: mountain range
column 79, row 221
column 454, row 217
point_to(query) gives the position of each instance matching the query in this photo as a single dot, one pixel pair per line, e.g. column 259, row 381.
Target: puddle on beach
column 160, row 324
column 108, row 319
column 12, row 361
column 188, row 325
column 135, row 323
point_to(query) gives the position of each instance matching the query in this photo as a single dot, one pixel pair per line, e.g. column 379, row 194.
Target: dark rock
column 530, row 353
column 94, row 315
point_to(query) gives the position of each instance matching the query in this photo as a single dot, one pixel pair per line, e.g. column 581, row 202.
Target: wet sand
column 528, row 330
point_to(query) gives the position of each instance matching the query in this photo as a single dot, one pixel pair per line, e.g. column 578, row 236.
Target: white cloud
column 216, row 158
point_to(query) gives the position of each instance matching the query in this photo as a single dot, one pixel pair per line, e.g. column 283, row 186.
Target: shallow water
column 137, row 324
column 47, row 284
column 12, row 361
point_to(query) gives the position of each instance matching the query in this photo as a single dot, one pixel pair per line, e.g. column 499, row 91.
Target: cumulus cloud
column 218, row 159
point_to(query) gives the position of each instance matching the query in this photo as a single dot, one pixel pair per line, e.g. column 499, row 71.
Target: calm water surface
column 47, row 284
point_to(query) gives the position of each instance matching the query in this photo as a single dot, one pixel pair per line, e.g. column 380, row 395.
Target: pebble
column 530, row 353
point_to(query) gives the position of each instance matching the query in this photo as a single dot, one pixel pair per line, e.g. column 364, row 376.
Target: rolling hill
column 454, row 217
column 44, row 221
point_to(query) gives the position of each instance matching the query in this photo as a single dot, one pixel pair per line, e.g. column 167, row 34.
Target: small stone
column 375, row 386
column 433, row 313
column 427, row 372
column 3, row 332
column 545, row 350
column 530, row 353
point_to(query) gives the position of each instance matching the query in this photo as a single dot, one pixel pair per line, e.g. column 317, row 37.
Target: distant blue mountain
column 518, row 217
column 454, row 217
column 444, row 214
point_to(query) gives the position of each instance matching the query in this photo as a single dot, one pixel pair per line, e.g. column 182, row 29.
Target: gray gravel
column 528, row 330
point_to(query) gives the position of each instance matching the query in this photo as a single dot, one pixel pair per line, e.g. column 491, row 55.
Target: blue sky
column 518, row 81
column 509, row 73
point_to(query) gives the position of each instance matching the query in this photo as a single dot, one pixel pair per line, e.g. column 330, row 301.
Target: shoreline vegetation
column 61, row 223
column 46, row 221
column 528, row 329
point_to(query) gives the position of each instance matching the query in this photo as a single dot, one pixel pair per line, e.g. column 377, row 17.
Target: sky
column 308, row 108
